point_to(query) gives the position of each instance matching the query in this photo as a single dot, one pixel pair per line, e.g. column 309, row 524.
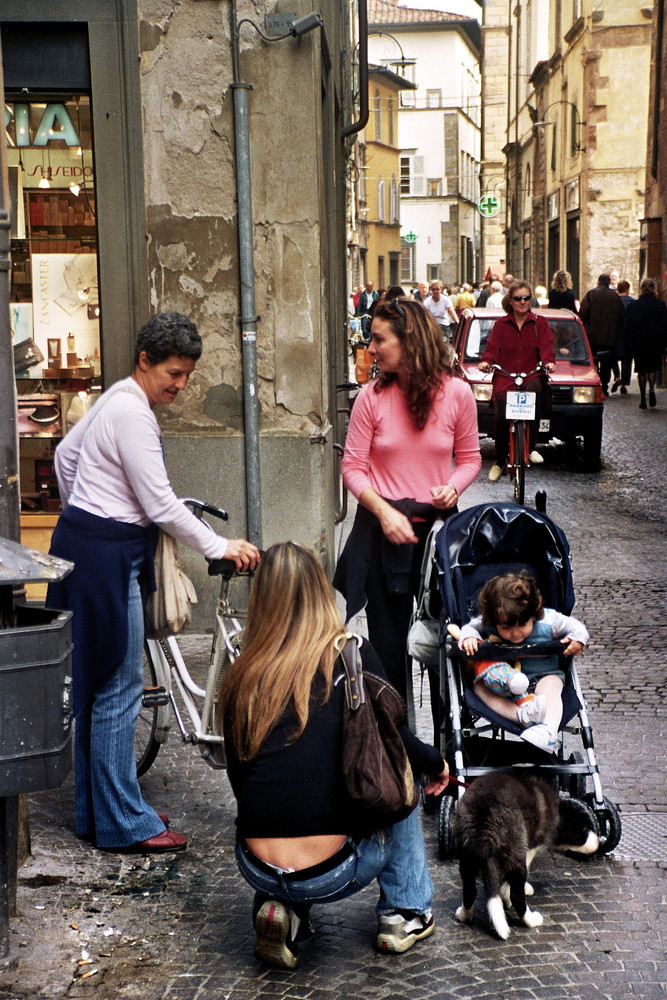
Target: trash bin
column 35, row 677
column 35, row 700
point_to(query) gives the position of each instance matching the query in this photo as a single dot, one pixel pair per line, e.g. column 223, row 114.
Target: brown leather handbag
column 377, row 772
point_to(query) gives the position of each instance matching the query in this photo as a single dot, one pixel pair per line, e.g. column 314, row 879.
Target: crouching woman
column 299, row 839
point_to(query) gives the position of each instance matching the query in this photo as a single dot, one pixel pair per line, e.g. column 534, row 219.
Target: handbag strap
column 354, row 671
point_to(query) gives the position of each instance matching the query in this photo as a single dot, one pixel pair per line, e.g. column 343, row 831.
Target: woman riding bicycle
column 518, row 342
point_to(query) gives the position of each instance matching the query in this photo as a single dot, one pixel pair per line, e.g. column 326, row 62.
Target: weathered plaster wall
column 190, row 188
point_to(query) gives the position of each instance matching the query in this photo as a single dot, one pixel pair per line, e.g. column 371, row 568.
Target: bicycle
column 520, row 412
column 166, row 672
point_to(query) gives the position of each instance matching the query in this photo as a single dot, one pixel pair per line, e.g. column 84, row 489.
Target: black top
column 296, row 789
column 562, row 300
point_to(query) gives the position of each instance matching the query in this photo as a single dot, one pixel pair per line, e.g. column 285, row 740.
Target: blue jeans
column 396, row 857
column 109, row 804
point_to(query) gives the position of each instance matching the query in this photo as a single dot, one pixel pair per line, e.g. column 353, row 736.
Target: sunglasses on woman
column 521, row 298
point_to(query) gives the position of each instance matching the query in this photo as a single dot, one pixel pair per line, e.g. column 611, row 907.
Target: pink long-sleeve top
column 385, row 451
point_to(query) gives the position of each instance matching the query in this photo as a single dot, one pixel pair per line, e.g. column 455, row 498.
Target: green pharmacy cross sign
column 488, row 206
column 410, row 237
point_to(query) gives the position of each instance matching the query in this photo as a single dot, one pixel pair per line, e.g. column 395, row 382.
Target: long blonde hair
column 293, row 630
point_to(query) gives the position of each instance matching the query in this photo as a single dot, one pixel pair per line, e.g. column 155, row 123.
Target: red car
column 575, row 387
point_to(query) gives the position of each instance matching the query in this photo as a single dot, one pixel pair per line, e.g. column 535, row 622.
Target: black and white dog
column 502, row 821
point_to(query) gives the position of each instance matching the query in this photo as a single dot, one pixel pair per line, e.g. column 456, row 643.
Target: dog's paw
column 463, row 915
column 528, row 890
column 498, row 918
column 532, row 918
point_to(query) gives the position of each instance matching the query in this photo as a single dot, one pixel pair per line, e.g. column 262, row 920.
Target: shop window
column 55, row 311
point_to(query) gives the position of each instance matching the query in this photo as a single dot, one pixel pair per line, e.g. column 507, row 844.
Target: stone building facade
column 159, row 80
column 574, row 149
column 653, row 234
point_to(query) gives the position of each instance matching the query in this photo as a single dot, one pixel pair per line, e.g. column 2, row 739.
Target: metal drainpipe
column 361, row 122
column 247, row 280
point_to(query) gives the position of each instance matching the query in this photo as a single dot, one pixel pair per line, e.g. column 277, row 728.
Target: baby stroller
column 470, row 548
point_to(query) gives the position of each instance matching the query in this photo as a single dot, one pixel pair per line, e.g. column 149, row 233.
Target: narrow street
column 178, row 927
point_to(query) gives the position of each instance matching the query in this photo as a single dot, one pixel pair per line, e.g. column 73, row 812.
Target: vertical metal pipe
column 9, row 445
column 247, row 282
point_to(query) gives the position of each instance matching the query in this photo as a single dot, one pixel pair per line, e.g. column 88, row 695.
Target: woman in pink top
column 412, row 449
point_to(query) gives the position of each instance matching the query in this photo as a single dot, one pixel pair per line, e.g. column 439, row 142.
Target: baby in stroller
column 511, row 610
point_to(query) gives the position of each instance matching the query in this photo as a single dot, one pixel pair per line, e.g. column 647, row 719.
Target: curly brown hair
column 510, row 599
column 425, row 354
column 513, row 288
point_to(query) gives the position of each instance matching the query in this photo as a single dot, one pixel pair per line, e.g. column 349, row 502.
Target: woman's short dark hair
column 167, row 334
column 648, row 287
column 511, row 291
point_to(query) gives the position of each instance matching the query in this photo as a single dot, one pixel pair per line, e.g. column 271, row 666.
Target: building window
column 433, row 98
column 382, row 215
column 394, row 204
column 407, row 71
column 407, row 262
column 362, row 174
column 435, row 187
column 378, row 116
column 432, row 272
column 413, row 181
column 390, row 120
column 54, row 287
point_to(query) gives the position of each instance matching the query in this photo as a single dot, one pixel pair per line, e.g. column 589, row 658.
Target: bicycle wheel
column 519, row 461
column 153, row 719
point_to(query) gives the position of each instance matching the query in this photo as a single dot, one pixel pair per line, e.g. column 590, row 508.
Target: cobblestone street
column 178, row 927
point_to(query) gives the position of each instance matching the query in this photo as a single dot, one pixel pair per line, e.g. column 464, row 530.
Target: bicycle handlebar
column 522, row 376
column 199, row 508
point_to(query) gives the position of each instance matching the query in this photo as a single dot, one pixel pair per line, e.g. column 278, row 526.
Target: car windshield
column 478, row 334
column 569, row 343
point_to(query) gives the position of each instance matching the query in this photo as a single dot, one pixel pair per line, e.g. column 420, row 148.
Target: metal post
column 9, row 445
column 9, row 515
column 247, row 279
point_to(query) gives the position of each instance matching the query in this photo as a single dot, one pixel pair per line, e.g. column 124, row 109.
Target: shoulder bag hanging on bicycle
column 376, row 769
column 169, row 608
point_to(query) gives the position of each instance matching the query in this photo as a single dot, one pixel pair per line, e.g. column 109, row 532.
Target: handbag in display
column 26, row 354
column 169, row 608
column 376, row 769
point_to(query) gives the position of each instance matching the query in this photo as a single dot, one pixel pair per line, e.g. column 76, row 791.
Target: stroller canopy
column 494, row 538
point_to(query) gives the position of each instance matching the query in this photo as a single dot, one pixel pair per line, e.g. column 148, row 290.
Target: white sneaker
column 536, row 458
column 397, row 931
column 495, row 472
column 532, row 711
column 541, row 737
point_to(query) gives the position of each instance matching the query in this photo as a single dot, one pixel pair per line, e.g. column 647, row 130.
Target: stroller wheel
column 446, row 828
column 609, row 820
column 573, row 784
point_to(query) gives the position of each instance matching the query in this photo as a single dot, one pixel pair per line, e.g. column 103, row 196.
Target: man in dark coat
column 603, row 314
column 365, row 306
